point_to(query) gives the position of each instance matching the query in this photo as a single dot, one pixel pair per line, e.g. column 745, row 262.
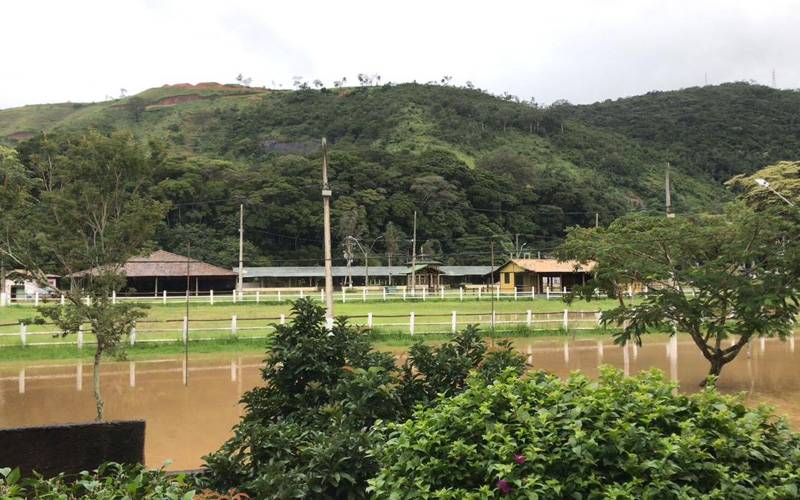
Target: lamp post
column 765, row 184
column 366, row 252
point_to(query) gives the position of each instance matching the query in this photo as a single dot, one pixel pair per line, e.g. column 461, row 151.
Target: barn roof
column 359, row 271
column 167, row 264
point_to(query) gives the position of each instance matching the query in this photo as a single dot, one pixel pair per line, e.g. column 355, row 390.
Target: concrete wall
column 72, row 448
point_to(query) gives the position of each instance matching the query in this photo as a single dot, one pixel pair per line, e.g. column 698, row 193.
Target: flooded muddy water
column 190, row 410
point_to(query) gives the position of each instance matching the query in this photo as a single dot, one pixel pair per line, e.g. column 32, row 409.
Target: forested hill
column 723, row 130
column 475, row 167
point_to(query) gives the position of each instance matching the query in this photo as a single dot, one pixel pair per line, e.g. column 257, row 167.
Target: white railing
column 342, row 295
column 186, row 329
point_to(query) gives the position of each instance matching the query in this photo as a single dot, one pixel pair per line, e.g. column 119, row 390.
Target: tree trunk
column 717, row 362
column 98, row 398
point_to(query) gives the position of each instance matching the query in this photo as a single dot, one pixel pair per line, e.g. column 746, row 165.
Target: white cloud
column 579, row 50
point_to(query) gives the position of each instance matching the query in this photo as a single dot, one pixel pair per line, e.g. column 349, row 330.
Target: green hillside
column 475, row 167
column 722, row 130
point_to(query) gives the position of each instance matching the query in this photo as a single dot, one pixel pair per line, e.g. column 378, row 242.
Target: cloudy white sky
column 583, row 51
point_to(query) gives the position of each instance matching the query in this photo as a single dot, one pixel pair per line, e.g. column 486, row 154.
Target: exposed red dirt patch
column 205, row 86
column 178, row 99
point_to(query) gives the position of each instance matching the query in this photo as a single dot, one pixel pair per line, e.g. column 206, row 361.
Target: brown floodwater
column 189, row 418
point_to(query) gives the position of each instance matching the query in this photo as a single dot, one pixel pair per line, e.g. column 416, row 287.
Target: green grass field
column 210, row 325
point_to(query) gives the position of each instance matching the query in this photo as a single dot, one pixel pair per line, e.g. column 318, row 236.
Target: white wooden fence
column 185, row 329
column 343, row 295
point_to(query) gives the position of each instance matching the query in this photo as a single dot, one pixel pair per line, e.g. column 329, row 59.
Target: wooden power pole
column 414, row 257
column 326, row 212
column 241, row 248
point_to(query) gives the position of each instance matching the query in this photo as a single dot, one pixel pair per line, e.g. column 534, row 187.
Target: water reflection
column 186, row 421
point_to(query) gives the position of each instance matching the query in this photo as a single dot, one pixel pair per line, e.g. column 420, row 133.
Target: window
column 506, row 278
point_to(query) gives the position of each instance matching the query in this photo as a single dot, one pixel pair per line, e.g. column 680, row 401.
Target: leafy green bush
column 619, row 437
column 111, row 480
column 309, row 432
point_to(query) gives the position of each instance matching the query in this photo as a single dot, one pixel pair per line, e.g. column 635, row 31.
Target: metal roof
column 360, row 271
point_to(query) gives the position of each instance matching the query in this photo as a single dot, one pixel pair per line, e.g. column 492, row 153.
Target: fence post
column 384, row 294
column 280, row 297
column 364, row 294
column 461, row 294
column 301, row 293
column 258, row 297
column 211, row 297
column 453, row 323
column 344, row 295
column 404, row 294
column 548, row 293
column 369, row 321
column 529, row 318
column 36, row 299
column 441, row 293
column 113, row 296
column 322, row 296
column 164, row 297
column 23, row 334
column 283, row 319
column 424, row 294
column 494, row 319
column 62, row 299
column 80, row 337
column 2, row 299
column 233, row 296
column 566, row 319
column 497, row 292
column 533, row 292
column 233, row 326
column 479, row 292
column 515, row 293
column 132, row 335
column 599, row 316
column 185, row 330
column 411, row 323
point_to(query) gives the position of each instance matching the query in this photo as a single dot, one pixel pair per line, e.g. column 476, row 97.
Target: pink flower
column 520, row 459
column 504, row 487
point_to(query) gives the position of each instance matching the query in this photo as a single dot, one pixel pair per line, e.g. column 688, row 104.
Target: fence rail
column 344, row 295
column 186, row 329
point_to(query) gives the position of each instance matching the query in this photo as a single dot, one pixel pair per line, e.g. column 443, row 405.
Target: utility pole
column 414, row 257
column 668, row 194
column 516, row 246
column 492, row 292
column 186, row 325
column 241, row 248
column 326, row 212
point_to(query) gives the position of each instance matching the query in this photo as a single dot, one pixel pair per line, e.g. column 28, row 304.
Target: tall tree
column 88, row 214
column 719, row 278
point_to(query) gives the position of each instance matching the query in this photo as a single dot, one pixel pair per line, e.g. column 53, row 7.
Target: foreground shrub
column 618, row 437
column 111, row 480
column 309, row 432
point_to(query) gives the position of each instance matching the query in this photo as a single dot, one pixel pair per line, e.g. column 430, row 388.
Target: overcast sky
column 582, row 51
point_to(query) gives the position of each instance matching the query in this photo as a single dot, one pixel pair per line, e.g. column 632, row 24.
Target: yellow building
column 540, row 274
